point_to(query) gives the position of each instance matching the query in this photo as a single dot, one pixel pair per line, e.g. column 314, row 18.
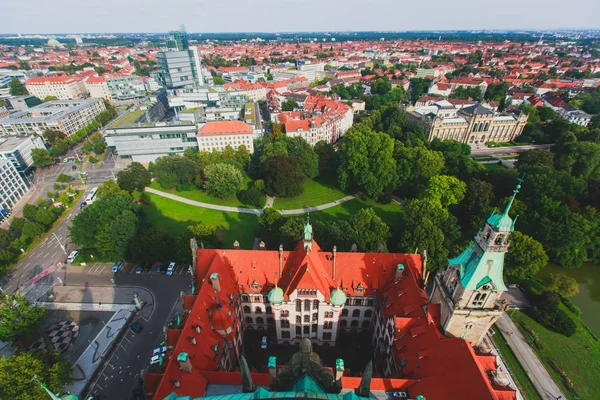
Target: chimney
column 333, row 267
column 184, row 362
column 214, row 281
column 280, row 260
column 339, row 369
column 354, row 248
column 273, row 367
column 236, row 245
column 261, row 245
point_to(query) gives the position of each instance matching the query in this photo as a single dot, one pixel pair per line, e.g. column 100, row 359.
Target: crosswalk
column 128, row 268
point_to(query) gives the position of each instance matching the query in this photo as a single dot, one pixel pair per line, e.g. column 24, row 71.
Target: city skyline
column 264, row 16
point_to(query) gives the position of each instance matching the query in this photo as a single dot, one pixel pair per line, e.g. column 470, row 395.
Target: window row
column 257, row 310
column 259, row 320
column 356, row 313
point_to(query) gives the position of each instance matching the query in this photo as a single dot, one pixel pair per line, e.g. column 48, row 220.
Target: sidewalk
column 542, row 381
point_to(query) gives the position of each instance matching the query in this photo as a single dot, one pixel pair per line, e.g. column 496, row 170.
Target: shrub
column 63, row 178
column 251, row 196
column 259, row 185
column 548, row 313
column 222, row 180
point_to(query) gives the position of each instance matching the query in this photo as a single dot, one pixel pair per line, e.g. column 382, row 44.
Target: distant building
column 125, row 87
column 97, row 87
column 576, row 116
column 219, row 134
column 62, row 87
column 12, row 186
column 180, row 65
column 67, row 116
column 17, row 149
column 470, row 124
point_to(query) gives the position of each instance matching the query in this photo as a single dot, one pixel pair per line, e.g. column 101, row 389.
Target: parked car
column 171, row 268
column 135, row 327
column 73, row 167
column 161, row 269
column 72, row 256
column 155, row 359
column 138, row 269
column 263, row 343
column 83, row 204
column 159, row 350
column 118, row 265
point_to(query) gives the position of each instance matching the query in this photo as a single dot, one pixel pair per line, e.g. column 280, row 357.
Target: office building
column 67, row 116
column 219, row 134
column 18, row 103
column 470, row 124
column 309, row 296
column 179, row 64
column 12, row 186
column 144, row 143
column 61, row 87
column 125, row 87
column 17, row 149
column 97, row 87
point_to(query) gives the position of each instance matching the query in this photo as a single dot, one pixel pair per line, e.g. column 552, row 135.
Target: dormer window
column 360, row 288
column 255, row 285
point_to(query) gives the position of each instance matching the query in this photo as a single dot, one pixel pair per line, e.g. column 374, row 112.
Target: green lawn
column 202, row 196
column 578, row 356
column 485, row 158
column 316, row 192
column 516, row 370
column 175, row 217
column 510, row 158
column 491, row 167
column 389, row 213
column 499, row 144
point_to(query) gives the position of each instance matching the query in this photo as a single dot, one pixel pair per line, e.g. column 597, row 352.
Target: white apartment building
column 97, row 87
column 12, row 185
column 219, row 134
column 17, row 149
column 62, row 87
column 328, row 126
column 67, row 116
column 125, row 87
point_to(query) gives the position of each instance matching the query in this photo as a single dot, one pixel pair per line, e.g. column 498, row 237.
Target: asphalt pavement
column 510, row 149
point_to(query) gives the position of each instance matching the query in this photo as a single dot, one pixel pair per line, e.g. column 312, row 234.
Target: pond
column 588, row 298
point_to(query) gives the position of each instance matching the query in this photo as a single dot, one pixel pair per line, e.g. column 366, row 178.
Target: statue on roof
column 307, row 234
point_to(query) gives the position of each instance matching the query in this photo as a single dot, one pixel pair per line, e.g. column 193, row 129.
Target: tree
column 476, row 206
column 289, row 105
column 29, row 211
column 269, row 224
column 51, row 135
column 171, row 171
column 99, row 147
column 369, row 230
column 217, row 80
column 283, row 177
column 21, row 373
column 447, row 190
column 63, row 178
column 32, row 229
column 112, row 189
column 49, row 98
column 17, row 224
column 222, row 180
column 16, row 88
column 306, row 156
column 326, row 154
column 45, row 217
column 367, row 161
column 17, row 317
column 416, row 166
column 41, row 158
column 562, row 284
column 535, row 157
column 5, row 237
column 525, row 258
column 134, row 177
column 153, row 244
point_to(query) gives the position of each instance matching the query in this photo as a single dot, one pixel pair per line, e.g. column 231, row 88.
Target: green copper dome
column 276, row 295
column 338, row 297
column 501, row 222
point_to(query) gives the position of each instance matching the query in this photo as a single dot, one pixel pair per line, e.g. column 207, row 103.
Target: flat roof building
column 17, row 149
column 67, row 116
column 62, row 87
column 12, row 186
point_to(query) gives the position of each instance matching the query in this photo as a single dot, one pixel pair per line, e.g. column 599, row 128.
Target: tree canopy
column 222, row 180
column 17, row 317
column 134, row 177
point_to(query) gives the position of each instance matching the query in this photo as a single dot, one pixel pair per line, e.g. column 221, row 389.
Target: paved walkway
column 255, row 211
column 542, row 381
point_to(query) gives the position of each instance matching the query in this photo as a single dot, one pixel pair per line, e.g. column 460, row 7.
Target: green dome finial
column 275, row 296
column 338, row 297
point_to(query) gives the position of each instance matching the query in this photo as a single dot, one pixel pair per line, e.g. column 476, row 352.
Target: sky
column 81, row 16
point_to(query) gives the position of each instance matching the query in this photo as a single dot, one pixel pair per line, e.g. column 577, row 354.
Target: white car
column 155, row 359
column 159, row 350
column 263, row 343
column 72, row 256
column 171, row 269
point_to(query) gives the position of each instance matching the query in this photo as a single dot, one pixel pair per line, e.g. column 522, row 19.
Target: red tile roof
column 222, row 128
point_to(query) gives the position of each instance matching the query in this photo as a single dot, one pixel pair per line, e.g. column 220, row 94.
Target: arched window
column 356, row 313
column 247, row 310
column 368, row 313
column 298, row 305
column 258, row 310
column 285, row 334
column 306, row 305
column 260, row 320
column 270, row 321
column 354, row 323
column 487, row 126
column 483, row 297
column 315, row 304
column 249, row 320
column 366, row 324
column 343, row 323
column 498, row 240
column 345, row 312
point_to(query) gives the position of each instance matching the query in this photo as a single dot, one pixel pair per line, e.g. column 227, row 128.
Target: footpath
column 99, row 298
column 542, row 381
column 255, row 211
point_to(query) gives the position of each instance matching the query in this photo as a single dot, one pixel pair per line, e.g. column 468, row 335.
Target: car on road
column 73, row 167
column 159, row 350
column 138, row 269
column 263, row 343
column 83, row 204
column 155, row 359
column 118, row 265
column 135, row 327
column 171, row 268
column 72, row 257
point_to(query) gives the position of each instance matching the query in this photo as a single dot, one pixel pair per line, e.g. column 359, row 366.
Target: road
column 511, row 149
column 542, row 381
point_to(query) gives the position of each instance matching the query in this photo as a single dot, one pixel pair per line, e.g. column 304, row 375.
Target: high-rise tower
column 469, row 289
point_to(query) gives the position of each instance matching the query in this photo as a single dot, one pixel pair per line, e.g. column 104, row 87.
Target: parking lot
column 128, row 268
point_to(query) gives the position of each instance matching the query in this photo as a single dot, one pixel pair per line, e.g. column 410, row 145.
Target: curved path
column 255, row 211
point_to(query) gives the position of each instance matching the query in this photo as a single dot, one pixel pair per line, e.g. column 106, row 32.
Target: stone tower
column 469, row 289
